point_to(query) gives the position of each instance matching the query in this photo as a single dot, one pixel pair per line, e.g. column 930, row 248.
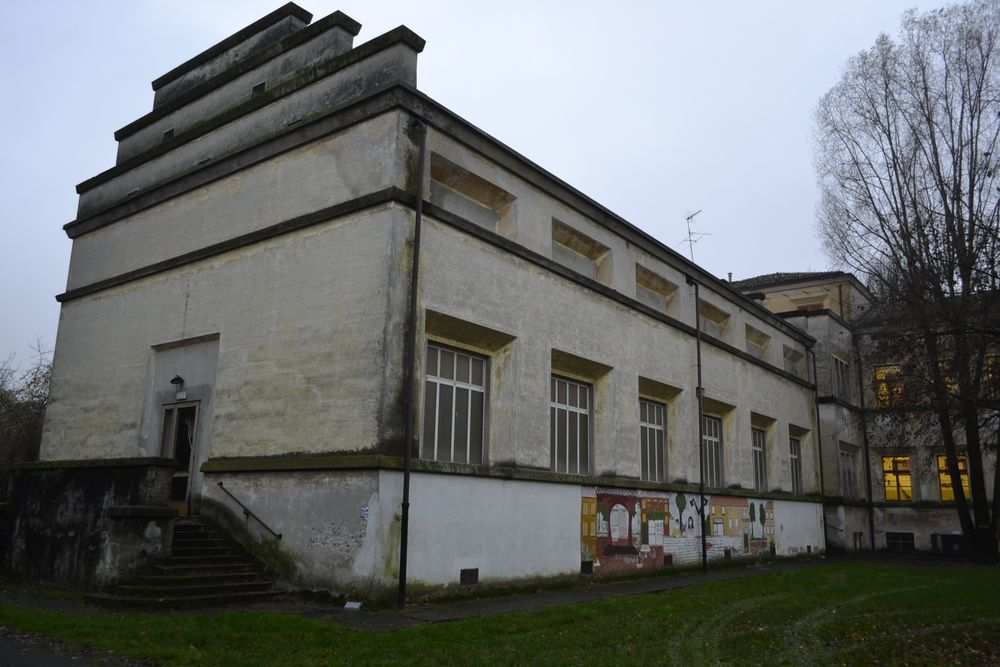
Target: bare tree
column 908, row 164
column 23, row 399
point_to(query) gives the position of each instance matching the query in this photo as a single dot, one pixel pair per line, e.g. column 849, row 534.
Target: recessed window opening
column 454, row 406
column 570, row 422
column 711, row 450
column 897, row 480
column 795, row 463
column 471, row 196
column 652, row 438
column 841, row 378
column 579, row 252
column 258, row 89
column 848, row 471
column 888, row 385
column 168, row 134
column 944, row 478
column 794, row 361
column 652, row 289
column 757, row 342
column 758, row 443
column 714, row 320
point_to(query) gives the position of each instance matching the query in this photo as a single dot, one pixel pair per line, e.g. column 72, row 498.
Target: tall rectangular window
column 454, row 406
column 569, row 426
column 795, row 463
column 848, row 471
column 888, row 386
column 758, row 442
column 944, row 478
column 652, row 431
column 711, row 450
column 897, row 479
column 841, row 378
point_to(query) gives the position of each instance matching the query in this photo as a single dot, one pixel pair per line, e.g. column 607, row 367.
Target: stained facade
column 251, row 315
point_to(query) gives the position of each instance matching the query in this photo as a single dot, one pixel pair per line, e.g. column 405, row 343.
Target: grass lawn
column 838, row 614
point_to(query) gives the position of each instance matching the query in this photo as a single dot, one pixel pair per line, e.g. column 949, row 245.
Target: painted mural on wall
column 627, row 531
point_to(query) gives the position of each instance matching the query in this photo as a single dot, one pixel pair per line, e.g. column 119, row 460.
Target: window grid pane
column 758, row 442
column 944, row 478
column 848, row 473
column 795, row 461
column 454, row 406
column 652, row 425
column 712, row 450
column 569, row 407
column 896, row 478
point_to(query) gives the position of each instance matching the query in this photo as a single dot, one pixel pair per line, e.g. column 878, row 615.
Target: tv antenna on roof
column 692, row 236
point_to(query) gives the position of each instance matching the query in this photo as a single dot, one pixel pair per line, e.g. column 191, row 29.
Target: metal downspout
column 819, row 442
column 409, row 368
column 699, row 392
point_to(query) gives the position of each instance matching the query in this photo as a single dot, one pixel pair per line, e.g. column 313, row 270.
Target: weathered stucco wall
column 847, row 528
column 396, row 64
column 335, row 534
column 544, row 311
column 329, row 43
column 529, row 222
column 86, row 525
column 355, row 162
column 309, row 327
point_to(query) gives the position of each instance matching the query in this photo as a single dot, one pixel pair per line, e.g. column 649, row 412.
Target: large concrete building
column 301, row 265
column 885, row 481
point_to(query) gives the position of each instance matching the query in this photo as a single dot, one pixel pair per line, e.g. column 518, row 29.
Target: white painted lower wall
column 341, row 529
column 507, row 529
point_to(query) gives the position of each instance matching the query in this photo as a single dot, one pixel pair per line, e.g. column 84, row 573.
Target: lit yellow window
column 888, row 386
column 993, row 375
column 950, row 383
column 944, row 479
column 896, row 478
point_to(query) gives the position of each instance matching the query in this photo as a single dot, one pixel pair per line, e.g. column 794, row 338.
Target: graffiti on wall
column 626, row 531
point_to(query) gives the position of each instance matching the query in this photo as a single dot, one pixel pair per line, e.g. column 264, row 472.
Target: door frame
column 183, row 506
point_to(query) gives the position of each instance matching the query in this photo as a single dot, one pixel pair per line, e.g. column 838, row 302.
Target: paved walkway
column 527, row 602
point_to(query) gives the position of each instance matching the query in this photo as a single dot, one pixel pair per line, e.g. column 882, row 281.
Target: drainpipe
column 409, row 368
column 699, row 393
column 864, row 437
column 819, row 442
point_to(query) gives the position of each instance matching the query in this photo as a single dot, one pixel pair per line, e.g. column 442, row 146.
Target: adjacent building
column 885, row 478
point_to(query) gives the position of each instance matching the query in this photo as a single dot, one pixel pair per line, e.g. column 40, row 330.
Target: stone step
column 201, row 551
column 205, row 569
column 197, row 578
column 192, row 590
column 174, row 602
column 197, row 568
column 200, row 542
column 207, row 558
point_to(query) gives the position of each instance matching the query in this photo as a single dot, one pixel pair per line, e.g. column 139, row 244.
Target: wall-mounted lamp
column 178, row 382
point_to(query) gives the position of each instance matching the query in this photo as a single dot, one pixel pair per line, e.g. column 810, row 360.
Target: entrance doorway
column 180, row 421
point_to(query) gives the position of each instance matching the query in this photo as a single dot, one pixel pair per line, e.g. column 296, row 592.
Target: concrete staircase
column 205, row 569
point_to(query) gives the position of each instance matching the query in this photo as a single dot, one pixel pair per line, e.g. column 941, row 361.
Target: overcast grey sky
column 654, row 109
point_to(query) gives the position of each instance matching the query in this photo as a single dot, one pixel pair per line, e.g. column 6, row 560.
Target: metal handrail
column 247, row 512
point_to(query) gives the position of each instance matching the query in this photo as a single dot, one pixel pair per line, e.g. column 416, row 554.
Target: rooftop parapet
column 237, row 47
